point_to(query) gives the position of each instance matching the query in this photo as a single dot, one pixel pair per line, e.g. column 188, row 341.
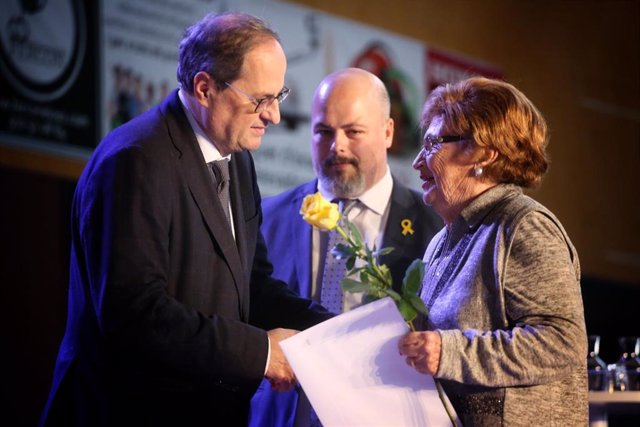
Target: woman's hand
column 422, row 350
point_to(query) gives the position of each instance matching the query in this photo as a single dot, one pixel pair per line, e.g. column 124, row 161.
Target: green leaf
column 367, row 298
column 377, row 293
column 354, row 271
column 408, row 312
column 382, row 252
column 386, row 275
column 394, row 295
column 364, row 274
column 374, row 280
column 419, row 305
column 350, row 285
column 369, row 255
column 355, row 233
column 342, row 251
column 413, row 278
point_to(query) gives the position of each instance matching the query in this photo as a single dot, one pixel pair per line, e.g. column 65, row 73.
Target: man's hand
column 422, row 350
column 279, row 373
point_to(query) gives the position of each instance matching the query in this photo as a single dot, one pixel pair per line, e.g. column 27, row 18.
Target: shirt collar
column 209, row 150
column 375, row 198
column 475, row 212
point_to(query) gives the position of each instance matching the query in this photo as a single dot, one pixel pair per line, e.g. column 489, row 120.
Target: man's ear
column 388, row 132
column 203, row 87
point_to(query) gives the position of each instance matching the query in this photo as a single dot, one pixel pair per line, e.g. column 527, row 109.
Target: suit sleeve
column 273, row 303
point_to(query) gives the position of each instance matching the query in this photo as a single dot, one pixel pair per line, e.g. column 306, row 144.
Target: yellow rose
column 319, row 212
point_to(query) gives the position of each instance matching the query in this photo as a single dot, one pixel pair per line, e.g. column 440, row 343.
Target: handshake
column 279, row 372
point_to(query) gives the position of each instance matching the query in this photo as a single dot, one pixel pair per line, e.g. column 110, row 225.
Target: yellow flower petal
column 319, row 212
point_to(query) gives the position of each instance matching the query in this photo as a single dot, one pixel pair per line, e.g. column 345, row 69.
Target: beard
column 342, row 183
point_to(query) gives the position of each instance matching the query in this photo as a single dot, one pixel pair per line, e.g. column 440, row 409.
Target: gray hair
column 218, row 44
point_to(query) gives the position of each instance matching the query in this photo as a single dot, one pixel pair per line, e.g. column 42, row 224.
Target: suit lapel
column 301, row 229
column 238, row 178
column 238, row 210
column 401, row 209
column 198, row 179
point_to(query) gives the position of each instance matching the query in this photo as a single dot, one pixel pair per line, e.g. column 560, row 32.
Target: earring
column 477, row 170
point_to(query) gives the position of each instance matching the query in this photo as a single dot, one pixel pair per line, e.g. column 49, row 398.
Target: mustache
column 338, row 160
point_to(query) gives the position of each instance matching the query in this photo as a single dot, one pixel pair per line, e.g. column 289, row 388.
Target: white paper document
column 353, row 375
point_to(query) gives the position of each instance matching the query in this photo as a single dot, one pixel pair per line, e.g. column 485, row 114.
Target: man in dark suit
column 174, row 318
column 351, row 133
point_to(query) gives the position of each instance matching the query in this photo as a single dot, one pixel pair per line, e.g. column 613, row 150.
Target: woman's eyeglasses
column 430, row 141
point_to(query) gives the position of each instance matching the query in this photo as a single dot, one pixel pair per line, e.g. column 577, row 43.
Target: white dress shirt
column 208, row 148
column 370, row 216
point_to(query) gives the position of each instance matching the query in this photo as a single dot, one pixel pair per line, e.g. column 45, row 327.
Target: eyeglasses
column 263, row 103
column 430, row 141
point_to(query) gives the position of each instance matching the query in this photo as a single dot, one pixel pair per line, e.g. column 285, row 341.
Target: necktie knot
column 220, row 170
column 220, row 173
column 345, row 205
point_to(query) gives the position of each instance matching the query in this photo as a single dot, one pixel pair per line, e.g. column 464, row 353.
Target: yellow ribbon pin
column 406, row 227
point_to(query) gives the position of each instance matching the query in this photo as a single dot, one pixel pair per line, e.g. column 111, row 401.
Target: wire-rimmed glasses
column 263, row 103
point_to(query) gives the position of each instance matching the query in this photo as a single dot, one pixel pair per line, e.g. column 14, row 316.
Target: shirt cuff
column 268, row 355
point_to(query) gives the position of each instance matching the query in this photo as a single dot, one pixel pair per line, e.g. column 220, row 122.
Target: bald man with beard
column 351, row 133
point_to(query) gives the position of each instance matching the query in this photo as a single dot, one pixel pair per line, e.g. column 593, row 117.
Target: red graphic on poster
column 377, row 59
column 446, row 67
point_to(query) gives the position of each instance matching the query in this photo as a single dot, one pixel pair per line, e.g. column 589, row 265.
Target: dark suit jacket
column 288, row 238
column 162, row 299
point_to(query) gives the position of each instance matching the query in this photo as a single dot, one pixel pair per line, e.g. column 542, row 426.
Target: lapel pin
column 406, row 227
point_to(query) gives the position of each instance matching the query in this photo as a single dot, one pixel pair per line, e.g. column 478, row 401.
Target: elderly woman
column 506, row 334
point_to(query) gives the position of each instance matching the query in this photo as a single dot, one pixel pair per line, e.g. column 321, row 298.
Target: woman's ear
column 489, row 155
column 485, row 157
